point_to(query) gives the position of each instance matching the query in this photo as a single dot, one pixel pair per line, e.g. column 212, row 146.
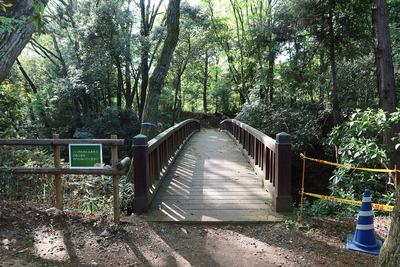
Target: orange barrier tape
column 351, row 202
column 345, row 166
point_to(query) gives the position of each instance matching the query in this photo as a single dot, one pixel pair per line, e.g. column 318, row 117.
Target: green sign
column 87, row 156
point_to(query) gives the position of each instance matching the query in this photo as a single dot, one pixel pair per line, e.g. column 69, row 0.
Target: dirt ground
column 32, row 234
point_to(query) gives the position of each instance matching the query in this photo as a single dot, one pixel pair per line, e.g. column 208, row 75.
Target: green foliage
column 11, row 102
column 4, row 6
column 7, row 24
column 221, row 97
column 25, row 187
column 84, row 192
column 359, row 144
column 95, row 193
column 324, row 208
column 295, row 224
column 38, row 17
column 303, row 123
column 122, row 122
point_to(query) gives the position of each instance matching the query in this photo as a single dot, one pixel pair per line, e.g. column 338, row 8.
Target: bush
column 122, row 122
column 88, row 193
column 304, row 123
column 359, row 144
column 24, row 187
column 11, row 97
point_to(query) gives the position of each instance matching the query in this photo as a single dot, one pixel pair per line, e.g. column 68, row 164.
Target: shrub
column 122, row 122
column 359, row 144
column 304, row 123
column 11, row 97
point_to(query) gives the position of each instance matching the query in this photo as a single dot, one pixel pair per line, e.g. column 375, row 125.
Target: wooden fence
column 153, row 159
column 270, row 158
column 57, row 171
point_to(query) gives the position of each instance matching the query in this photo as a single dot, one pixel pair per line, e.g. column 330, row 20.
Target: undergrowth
column 88, row 193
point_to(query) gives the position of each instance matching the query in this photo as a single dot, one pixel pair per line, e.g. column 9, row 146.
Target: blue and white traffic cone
column 364, row 239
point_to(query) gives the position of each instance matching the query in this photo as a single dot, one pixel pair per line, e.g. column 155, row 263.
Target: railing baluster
column 270, row 158
column 155, row 158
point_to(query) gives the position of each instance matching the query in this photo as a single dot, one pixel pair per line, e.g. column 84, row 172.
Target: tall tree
column 390, row 253
column 13, row 42
column 339, row 28
column 148, row 16
column 156, row 81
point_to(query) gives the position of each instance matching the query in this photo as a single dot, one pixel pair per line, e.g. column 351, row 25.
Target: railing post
column 57, row 177
column 141, row 174
column 283, row 202
column 114, row 162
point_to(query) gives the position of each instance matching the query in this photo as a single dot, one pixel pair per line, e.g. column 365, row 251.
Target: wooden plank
column 212, row 181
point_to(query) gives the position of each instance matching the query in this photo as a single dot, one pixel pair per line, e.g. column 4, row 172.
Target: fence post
column 141, row 174
column 57, row 177
column 283, row 202
column 114, row 162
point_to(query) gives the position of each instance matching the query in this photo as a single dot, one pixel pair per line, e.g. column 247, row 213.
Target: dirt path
column 33, row 235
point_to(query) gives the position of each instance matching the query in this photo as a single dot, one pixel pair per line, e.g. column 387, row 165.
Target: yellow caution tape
column 345, row 166
column 351, row 202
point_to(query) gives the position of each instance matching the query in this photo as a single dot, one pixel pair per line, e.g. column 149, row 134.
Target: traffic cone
column 364, row 239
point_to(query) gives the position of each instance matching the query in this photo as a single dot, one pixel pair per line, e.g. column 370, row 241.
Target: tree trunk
column 156, row 81
column 205, row 84
column 389, row 255
column 385, row 71
column 147, row 18
column 177, row 87
column 12, row 43
column 332, row 58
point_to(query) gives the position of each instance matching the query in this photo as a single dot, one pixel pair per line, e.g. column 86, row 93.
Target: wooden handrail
column 60, row 142
column 270, row 158
column 154, row 158
column 23, row 170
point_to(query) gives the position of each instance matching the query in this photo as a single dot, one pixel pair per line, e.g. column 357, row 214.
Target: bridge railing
column 153, row 159
column 270, row 158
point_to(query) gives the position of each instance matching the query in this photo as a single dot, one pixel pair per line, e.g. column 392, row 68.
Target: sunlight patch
column 50, row 245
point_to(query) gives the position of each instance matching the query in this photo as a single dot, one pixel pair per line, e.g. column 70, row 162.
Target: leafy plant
column 359, row 144
column 11, row 99
column 7, row 24
column 122, row 122
column 290, row 223
column 39, row 17
column 304, row 124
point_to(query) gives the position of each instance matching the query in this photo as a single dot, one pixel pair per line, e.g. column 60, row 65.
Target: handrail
column 270, row 158
column 154, row 158
column 57, row 171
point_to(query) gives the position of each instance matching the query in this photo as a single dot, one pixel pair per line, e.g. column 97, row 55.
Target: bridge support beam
column 140, row 203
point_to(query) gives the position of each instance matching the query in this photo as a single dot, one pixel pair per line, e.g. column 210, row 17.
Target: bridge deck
column 212, row 181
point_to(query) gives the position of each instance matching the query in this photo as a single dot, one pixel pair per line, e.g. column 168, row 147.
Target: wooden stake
column 302, row 189
column 58, row 179
column 114, row 162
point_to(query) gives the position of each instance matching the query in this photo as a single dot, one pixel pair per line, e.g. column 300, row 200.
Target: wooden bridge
column 237, row 174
